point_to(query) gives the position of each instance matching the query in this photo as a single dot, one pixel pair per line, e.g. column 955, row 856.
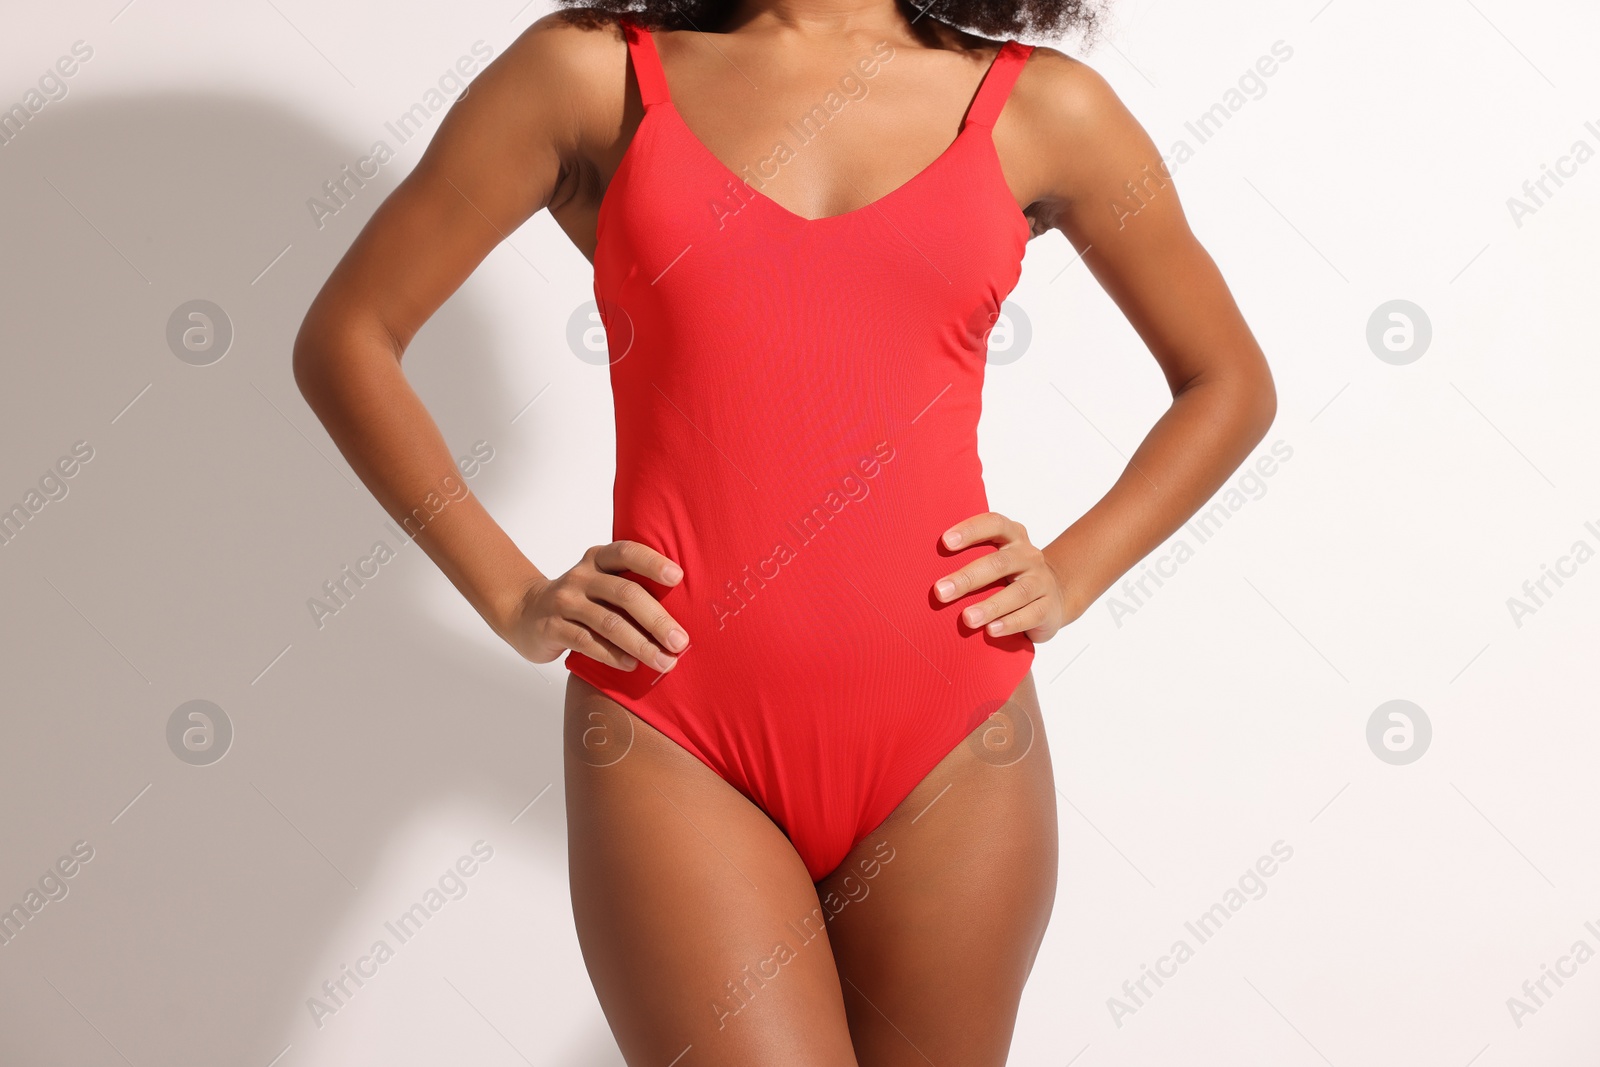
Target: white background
column 1227, row 713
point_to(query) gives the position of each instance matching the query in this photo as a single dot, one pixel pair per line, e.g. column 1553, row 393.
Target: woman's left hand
column 1035, row 600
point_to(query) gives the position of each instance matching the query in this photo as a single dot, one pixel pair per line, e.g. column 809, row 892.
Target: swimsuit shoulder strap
column 646, row 63
column 997, row 83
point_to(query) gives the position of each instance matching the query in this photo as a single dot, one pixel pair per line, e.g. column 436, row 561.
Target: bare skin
column 915, row 949
column 925, row 966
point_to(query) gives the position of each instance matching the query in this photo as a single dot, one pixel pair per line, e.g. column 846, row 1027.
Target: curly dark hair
column 991, row 18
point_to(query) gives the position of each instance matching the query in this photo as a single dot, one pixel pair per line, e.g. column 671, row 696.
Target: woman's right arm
column 520, row 139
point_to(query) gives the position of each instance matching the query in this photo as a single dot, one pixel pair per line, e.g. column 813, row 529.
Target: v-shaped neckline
column 876, row 202
column 949, row 150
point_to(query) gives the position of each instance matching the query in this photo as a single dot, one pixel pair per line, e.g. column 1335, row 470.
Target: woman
column 810, row 807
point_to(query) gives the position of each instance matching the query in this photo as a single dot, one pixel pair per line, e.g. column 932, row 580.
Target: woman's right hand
column 593, row 610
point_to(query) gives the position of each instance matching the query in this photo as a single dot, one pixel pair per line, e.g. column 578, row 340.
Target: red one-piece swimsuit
column 797, row 405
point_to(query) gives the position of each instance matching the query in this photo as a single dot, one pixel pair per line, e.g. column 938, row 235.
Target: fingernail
column 947, row 589
column 994, row 627
column 671, row 572
column 666, row 662
column 952, row 539
column 677, row 639
column 629, row 663
column 973, row 616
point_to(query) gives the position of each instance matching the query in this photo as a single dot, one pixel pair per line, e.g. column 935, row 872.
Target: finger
column 1024, row 590
column 640, row 559
column 611, row 625
column 581, row 639
column 989, row 526
column 644, row 609
column 1026, row 617
column 985, row 570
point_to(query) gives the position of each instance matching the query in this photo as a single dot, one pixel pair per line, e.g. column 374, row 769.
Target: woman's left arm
column 1099, row 179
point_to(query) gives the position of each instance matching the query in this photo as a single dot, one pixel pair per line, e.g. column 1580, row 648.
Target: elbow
column 312, row 362
column 316, row 356
column 1244, row 405
column 1262, row 404
column 337, row 359
column 307, row 367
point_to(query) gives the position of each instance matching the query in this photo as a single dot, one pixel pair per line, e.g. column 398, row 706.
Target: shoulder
column 1067, row 135
column 1057, row 92
column 1064, row 111
column 575, row 42
column 1053, row 89
column 577, row 52
column 564, row 71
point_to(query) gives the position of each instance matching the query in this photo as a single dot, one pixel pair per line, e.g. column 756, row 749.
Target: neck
column 816, row 18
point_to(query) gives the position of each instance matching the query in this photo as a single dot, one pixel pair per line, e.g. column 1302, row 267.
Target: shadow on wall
column 178, row 565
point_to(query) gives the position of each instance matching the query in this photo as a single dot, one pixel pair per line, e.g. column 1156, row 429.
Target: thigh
column 936, row 917
column 699, row 924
